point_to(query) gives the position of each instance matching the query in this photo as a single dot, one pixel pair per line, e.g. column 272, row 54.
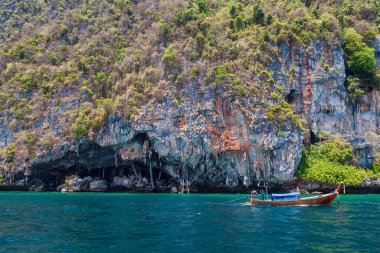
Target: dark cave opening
column 313, row 137
column 106, row 163
column 138, row 171
column 290, row 98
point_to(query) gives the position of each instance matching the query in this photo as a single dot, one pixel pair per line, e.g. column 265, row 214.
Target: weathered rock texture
column 213, row 138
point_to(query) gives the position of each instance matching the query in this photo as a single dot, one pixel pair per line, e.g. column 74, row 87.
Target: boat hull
column 325, row 199
column 318, row 200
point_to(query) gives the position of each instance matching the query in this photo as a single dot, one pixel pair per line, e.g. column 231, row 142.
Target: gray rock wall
column 215, row 139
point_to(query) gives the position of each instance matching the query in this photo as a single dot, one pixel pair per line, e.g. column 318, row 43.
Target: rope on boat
column 338, row 199
column 234, row 200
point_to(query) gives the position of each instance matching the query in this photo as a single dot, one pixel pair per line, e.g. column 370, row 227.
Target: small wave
column 11, row 239
column 70, row 207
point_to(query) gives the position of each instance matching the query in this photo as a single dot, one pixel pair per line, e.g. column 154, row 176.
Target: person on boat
column 253, row 194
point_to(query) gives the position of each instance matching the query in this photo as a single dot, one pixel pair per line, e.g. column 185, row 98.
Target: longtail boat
column 294, row 199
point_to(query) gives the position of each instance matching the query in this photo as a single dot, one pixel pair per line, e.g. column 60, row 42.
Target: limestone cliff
column 193, row 121
column 215, row 139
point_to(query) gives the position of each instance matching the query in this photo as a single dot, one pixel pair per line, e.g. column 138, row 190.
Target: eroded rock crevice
column 147, row 162
column 89, row 166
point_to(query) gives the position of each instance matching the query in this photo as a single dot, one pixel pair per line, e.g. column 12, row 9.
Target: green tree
column 355, row 93
column 202, row 6
column 331, row 162
column 221, row 74
column 10, row 153
column 258, row 16
column 169, row 55
column 360, row 57
column 233, row 11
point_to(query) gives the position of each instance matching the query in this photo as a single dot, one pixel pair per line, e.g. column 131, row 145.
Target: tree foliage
column 355, row 92
column 360, row 57
column 331, row 162
column 258, row 16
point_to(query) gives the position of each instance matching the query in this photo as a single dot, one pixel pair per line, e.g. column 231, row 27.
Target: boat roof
column 288, row 195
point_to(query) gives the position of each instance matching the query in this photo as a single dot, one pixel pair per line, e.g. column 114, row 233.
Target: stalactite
column 77, row 150
column 150, row 167
column 134, row 170
column 197, row 175
column 115, row 156
column 159, row 175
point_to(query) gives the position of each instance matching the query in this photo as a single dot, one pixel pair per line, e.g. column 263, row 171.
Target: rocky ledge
column 143, row 185
column 369, row 186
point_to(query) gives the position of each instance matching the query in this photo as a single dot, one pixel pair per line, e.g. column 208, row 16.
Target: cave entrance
column 150, row 168
column 103, row 173
column 290, row 98
column 313, row 137
column 54, row 178
column 142, row 170
column 106, row 163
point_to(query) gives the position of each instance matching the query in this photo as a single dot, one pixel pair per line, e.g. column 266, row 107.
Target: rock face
column 75, row 185
column 98, row 186
column 121, row 181
column 362, row 151
column 217, row 140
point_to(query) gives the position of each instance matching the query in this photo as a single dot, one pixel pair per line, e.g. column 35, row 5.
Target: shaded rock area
column 376, row 46
column 119, row 183
column 371, row 183
column 13, row 187
column 98, row 186
column 363, row 151
column 369, row 186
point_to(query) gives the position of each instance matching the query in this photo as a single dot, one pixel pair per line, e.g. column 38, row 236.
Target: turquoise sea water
column 122, row 222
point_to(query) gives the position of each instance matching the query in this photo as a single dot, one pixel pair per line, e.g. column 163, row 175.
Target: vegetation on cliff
column 90, row 59
column 361, row 67
column 332, row 161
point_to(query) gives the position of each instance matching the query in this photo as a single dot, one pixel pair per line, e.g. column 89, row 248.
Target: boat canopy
column 285, row 196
